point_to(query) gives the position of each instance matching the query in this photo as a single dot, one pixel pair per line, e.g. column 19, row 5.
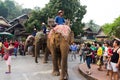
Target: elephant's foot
column 36, row 61
column 59, row 67
column 56, row 73
column 33, row 55
column 45, row 62
column 65, row 77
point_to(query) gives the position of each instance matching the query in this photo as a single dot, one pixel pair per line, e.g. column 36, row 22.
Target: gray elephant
column 29, row 42
column 41, row 44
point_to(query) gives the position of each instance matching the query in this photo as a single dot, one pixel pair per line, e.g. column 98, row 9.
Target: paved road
column 24, row 68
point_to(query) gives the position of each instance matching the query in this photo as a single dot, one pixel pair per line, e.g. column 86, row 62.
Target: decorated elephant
column 29, row 42
column 58, row 43
column 41, row 44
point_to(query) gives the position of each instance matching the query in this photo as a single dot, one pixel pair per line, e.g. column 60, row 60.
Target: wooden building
column 17, row 26
column 3, row 24
column 101, row 36
column 90, row 32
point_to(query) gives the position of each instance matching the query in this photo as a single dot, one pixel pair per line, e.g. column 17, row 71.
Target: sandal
column 7, row 72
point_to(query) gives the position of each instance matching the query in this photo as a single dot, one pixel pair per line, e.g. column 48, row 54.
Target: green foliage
column 112, row 28
column 3, row 9
column 73, row 10
column 14, row 9
column 10, row 9
column 107, row 28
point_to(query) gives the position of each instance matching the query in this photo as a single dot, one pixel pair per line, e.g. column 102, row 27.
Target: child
column 9, row 51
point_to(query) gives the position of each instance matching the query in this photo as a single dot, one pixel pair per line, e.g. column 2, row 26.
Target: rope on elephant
column 64, row 30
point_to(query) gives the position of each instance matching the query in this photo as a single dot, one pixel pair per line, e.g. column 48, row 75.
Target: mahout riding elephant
column 41, row 44
column 58, row 44
column 29, row 42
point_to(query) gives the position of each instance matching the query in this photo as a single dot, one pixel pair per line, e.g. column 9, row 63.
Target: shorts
column 112, row 66
column 8, row 62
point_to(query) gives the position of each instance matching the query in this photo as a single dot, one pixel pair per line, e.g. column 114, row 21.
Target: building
column 90, row 32
column 3, row 24
column 101, row 36
column 17, row 26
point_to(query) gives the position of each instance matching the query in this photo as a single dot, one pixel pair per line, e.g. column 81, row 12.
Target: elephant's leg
column 64, row 64
column 33, row 51
column 36, row 51
column 59, row 60
column 55, row 63
column 25, row 48
column 46, row 54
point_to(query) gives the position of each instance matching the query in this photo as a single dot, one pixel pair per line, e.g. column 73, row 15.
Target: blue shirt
column 59, row 20
column 73, row 48
column 44, row 29
column 34, row 33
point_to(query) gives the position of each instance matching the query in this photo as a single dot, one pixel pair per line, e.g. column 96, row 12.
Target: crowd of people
column 106, row 55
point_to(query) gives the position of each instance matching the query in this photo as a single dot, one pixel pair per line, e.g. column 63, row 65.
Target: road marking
column 42, row 72
column 25, row 76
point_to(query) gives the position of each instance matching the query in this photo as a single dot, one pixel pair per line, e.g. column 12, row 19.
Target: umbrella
column 6, row 34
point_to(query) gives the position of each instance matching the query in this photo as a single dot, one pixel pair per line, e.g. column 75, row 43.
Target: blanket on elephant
column 64, row 30
column 39, row 35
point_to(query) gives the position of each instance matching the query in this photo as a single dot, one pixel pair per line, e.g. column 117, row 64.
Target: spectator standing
column 73, row 49
column 100, row 56
column 94, row 49
column 6, row 43
column 16, row 45
column 115, row 61
column 88, row 57
column 78, row 47
column 81, row 52
column 110, row 53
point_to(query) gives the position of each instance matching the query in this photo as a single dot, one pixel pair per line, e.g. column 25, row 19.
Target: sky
column 100, row 11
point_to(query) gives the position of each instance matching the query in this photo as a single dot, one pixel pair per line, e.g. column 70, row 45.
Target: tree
column 113, row 28
column 73, row 11
column 3, row 10
column 14, row 9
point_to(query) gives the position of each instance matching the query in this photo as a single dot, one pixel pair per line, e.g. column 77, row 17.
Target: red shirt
column 110, row 51
column 16, row 44
column 6, row 44
column 2, row 51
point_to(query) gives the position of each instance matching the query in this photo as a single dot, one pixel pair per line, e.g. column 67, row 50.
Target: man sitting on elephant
column 59, row 20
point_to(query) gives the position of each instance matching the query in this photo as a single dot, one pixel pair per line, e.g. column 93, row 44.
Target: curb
column 88, row 77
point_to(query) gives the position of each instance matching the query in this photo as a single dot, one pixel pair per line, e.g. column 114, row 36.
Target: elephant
column 59, row 49
column 41, row 44
column 29, row 42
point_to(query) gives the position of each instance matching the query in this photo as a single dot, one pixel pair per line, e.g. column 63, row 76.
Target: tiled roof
column 3, row 22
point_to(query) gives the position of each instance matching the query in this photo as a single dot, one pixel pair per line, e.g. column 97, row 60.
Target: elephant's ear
column 52, row 37
column 71, row 37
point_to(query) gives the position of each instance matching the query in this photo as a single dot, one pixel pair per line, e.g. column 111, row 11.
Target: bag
column 6, row 56
column 98, row 62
